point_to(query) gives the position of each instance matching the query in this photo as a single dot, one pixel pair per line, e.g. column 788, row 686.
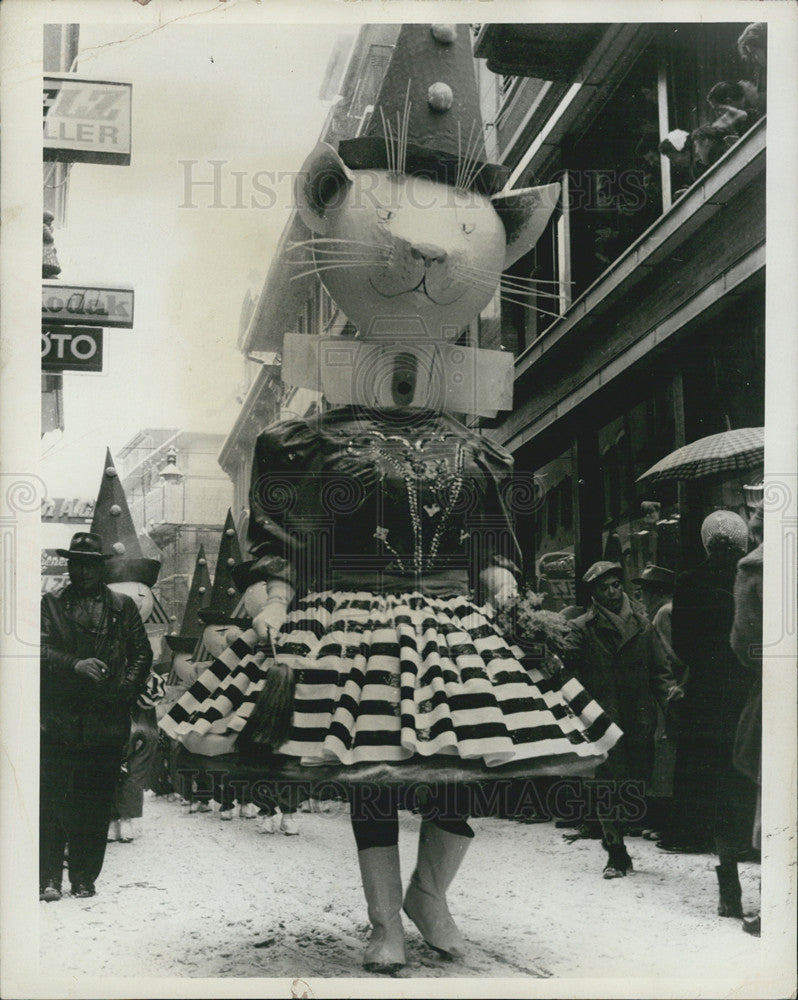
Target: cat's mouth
column 421, row 289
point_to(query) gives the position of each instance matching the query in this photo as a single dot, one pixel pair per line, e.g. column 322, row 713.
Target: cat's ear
column 321, row 183
column 525, row 213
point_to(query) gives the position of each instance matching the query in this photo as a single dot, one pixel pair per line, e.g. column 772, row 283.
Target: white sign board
column 86, row 120
column 87, row 305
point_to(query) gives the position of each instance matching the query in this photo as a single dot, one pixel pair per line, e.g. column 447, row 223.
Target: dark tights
column 375, row 813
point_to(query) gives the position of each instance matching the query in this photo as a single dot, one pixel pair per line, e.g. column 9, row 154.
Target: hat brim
column 370, row 152
column 88, row 556
column 243, row 576
column 124, row 570
column 220, row 618
column 601, row 576
column 181, row 643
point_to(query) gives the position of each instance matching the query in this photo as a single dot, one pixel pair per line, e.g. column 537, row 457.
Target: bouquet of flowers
column 544, row 637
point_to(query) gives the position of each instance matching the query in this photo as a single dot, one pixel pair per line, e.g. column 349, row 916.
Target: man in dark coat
column 95, row 657
column 746, row 643
column 623, row 665
column 712, row 801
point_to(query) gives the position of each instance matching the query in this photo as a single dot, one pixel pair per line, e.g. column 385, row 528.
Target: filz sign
column 86, row 121
column 86, row 305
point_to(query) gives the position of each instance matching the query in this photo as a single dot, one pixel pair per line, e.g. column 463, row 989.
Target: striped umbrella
column 730, row 451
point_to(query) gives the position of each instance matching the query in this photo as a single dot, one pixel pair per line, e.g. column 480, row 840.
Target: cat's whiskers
column 318, row 242
column 343, row 264
column 510, row 279
column 403, row 128
column 390, row 149
column 514, row 298
column 469, row 163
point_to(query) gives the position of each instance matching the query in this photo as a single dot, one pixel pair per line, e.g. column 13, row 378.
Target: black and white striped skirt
column 388, row 677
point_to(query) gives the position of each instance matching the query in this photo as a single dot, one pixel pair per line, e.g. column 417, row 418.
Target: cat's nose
column 428, row 252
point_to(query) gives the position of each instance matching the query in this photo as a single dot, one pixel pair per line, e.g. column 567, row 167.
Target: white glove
column 270, row 618
column 499, row 584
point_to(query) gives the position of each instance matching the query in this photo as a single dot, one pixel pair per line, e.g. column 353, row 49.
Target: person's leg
column 55, row 776
column 444, row 838
column 96, row 777
column 141, row 757
column 375, row 825
column 288, row 799
column 375, row 817
column 618, row 860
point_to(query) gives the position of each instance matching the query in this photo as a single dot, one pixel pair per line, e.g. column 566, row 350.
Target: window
column 530, row 294
column 614, row 174
column 553, row 532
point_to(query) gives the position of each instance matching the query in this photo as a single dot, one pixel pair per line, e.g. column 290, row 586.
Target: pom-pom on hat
column 724, row 528
column 112, row 521
column 198, row 596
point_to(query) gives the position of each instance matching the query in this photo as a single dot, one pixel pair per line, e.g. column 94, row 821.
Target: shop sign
column 72, row 349
column 53, row 564
column 87, row 305
column 86, row 120
column 67, row 511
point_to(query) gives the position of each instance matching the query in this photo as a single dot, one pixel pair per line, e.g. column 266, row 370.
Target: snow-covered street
column 198, row 897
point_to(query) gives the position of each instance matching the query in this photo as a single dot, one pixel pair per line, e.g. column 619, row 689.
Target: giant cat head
column 395, row 248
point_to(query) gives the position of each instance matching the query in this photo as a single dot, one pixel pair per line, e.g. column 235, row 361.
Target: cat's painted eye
column 384, row 214
column 467, row 227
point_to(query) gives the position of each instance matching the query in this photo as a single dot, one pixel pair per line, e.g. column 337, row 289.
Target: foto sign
column 72, row 349
column 86, row 120
column 87, row 305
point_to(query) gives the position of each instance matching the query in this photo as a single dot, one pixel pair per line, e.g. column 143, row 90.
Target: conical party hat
column 198, row 596
column 427, row 119
column 113, row 523
column 224, row 595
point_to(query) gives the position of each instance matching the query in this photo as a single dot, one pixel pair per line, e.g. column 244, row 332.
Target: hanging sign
column 72, row 349
column 87, row 305
column 53, row 564
column 86, row 120
column 67, row 510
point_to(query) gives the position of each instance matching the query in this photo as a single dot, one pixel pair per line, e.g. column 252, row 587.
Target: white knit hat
column 726, row 525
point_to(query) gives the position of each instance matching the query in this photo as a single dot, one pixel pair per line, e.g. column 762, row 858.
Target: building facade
column 646, row 328
column 178, row 498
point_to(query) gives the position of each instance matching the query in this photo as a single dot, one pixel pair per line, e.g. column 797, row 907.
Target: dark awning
column 544, row 51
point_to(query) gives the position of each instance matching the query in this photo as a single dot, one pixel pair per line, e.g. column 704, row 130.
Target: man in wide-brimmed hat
column 95, row 656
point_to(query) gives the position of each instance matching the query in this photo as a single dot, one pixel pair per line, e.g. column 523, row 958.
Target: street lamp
column 170, row 473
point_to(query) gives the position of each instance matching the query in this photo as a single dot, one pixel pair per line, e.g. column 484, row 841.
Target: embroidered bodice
column 383, row 499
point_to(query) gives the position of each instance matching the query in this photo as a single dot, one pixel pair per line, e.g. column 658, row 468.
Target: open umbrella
column 729, row 451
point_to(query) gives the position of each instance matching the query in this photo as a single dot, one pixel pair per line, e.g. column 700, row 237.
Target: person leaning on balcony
column 752, row 47
column 621, row 661
column 736, row 104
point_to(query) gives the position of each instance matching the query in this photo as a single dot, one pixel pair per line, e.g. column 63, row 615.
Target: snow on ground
column 198, row 897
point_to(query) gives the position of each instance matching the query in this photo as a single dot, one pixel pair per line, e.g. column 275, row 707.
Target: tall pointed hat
column 427, row 119
column 113, row 523
column 198, row 596
column 224, row 596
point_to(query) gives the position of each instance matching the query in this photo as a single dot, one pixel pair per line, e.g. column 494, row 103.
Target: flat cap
column 601, row 568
